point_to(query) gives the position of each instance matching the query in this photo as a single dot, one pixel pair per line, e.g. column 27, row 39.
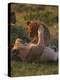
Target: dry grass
column 29, row 69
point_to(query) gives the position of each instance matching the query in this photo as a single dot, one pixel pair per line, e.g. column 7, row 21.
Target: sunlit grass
column 29, row 69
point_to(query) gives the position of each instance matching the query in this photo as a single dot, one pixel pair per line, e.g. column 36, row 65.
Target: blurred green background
column 48, row 15
column 27, row 12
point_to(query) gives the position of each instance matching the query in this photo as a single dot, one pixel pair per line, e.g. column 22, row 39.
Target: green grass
column 48, row 16
column 29, row 69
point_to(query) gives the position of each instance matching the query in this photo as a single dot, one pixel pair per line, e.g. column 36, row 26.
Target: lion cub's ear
column 28, row 22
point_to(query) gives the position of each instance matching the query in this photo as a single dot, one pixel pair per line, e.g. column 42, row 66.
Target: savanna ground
column 32, row 69
column 24, row 13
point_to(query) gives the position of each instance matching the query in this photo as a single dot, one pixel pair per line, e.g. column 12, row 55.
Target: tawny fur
column 35, row 52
